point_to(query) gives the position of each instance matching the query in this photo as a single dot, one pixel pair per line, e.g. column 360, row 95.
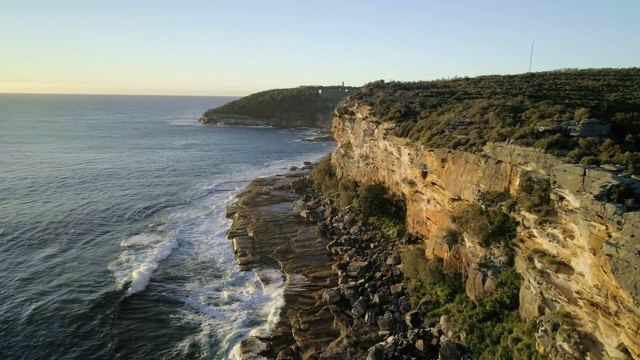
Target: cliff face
column 594, row 245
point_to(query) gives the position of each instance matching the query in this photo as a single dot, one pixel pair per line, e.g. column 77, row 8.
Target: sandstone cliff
column 583, row 262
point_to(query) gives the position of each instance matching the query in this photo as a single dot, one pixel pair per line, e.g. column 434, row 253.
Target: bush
column 494, row 198
column 347, row 192
column 488, row 226
column 453, row 237
column 534, row 196
column 373, row 200
column 552, row 262
column 493, row 327
column 624, row 195
column 416, row 266
column 377, row 208
column 324, row 176
column 428, row 284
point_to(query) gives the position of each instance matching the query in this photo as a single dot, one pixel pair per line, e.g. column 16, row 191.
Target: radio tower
column 531, row 57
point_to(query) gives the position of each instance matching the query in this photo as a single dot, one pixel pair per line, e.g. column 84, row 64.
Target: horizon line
column 111, row 94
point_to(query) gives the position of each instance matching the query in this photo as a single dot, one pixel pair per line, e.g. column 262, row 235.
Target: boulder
column 356, row 268
column 386, row 322
column 448, row 351
column 360, row 307
column 397, row 288
column 251, row 347
column 371, row 316
column 331, row 296
column 380, row 299
column 394, row 259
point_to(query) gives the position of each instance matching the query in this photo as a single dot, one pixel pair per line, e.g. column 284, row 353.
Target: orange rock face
column 594, row 274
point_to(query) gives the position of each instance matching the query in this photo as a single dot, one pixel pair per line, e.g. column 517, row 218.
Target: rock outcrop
column 581, row 128
column 594, row 245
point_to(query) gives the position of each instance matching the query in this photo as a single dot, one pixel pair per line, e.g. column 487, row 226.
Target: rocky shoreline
column 345, row 296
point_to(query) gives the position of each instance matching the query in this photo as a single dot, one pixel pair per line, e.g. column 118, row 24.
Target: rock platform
column 343, row 288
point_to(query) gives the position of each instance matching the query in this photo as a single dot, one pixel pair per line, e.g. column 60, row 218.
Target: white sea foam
column 235, row 304
column 226, row 304
column 140, row 277
column 140, row 258
column 141, row 239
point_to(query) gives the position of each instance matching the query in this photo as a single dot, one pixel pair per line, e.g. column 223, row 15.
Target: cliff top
column 586, row 116
column 304, row 106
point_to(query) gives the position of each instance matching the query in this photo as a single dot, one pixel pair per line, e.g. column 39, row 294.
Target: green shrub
column 347, row 192
column 494, row 198
column 324, row 176
column 534, row 196
column 383, row 211
column 493, row 327
column 394, row 229
column 373, row 200
column 590, row 160
column 416, row 266
column 453, row 237
column 552, row 262
column 624, row 195
column 488, row 226
column 427, row 283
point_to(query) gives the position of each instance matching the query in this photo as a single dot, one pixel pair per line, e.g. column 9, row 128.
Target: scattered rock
column 397, row 288
column 394, row 259
column 357, row 268
column 360, row 307
column 448, row 351
column 331, row 296
column 386, row 322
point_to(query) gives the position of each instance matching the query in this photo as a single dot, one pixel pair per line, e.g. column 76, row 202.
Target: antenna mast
column 531, row 57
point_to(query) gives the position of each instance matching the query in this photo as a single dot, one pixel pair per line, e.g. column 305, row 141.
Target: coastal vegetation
column 489, row 225
column 534, row 196
column 310, row 106
column 488, row 327
column 492, row 327
column 532, row 109
column 374, row 206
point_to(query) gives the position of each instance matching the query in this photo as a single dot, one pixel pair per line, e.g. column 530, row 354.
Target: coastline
column 266, row 235
column 344, row 296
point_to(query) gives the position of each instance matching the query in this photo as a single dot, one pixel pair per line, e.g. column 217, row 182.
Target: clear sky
column 243, row 46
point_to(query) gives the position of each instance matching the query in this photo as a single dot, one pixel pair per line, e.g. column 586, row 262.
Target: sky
column 239, row 47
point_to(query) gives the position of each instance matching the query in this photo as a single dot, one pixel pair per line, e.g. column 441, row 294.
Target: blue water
column 112, row 228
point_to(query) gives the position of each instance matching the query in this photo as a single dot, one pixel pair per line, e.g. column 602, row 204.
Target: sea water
column 112, row 228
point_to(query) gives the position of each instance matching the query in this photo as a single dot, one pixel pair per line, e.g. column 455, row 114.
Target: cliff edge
column 560, row 148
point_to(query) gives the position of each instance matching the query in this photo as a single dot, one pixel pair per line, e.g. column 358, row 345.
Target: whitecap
column 141, row 239
column 141, row 276
column 142, row 254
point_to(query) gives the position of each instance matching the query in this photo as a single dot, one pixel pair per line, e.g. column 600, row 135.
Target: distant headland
column 304, row 106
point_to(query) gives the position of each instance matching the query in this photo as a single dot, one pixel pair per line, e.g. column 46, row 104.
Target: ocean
column 112, row 229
